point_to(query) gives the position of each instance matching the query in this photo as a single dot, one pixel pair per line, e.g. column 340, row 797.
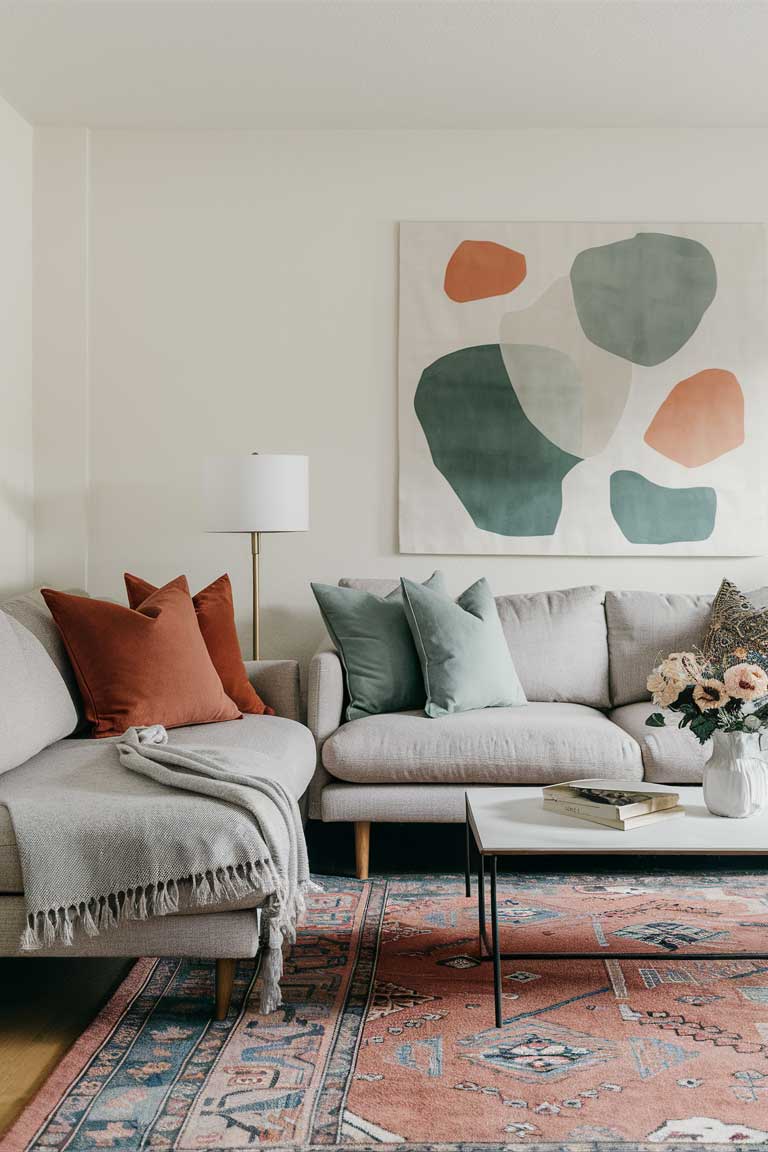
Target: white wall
column 242, row 292
column 61, row 357
column 16, row 469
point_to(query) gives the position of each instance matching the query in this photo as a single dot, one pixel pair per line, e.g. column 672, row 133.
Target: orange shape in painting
column 701, row 419
column 480, row 268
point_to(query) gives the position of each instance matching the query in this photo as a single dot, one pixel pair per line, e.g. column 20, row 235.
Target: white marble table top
column 512, row 821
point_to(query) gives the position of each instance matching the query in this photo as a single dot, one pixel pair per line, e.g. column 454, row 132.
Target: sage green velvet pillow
column 375, row 645
column 462, row 648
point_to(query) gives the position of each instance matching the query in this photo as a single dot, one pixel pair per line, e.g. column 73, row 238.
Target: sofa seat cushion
column 284, row 751
column 534, row 744
column 671, row 755
column 288, row 747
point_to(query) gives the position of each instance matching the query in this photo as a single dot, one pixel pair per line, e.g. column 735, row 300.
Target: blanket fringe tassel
column 278, row 921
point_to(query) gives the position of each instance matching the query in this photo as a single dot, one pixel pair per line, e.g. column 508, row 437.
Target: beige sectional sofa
column 583, row 656
column 230, row 931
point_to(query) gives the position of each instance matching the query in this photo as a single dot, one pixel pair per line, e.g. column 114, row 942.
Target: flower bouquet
column 729, row 696
column 726, row 702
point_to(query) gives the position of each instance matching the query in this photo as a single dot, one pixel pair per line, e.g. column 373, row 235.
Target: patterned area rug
column 387, row 1036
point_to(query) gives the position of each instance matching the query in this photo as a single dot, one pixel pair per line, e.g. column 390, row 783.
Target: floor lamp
column 255, row 494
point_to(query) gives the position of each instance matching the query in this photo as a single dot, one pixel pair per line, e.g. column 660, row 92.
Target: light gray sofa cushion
column 559, row 644
column 36, row 708
column 284, row 751
column 30, row 609
column 671, row 755
column 377, row 586
column 535, row 744
column 644, row 627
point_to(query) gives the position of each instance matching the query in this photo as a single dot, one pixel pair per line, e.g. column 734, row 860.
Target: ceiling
column 385, row 63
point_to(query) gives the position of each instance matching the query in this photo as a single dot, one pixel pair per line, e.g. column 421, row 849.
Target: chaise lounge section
column 282, row 748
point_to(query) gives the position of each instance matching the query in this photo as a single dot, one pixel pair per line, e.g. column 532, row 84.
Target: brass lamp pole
column 256, row 625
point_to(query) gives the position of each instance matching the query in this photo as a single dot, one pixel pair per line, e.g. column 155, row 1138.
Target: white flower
column 683, row 666
column 664, row 690
column 752, row 724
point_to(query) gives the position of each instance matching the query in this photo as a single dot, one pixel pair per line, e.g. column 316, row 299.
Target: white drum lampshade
column 259, row 493
column 254, row 494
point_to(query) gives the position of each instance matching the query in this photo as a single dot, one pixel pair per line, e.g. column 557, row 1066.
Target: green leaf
column 685, row 699
column 703, row 726
column 656, row 721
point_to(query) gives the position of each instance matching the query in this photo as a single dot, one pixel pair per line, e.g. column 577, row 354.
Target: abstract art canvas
column 582, row 388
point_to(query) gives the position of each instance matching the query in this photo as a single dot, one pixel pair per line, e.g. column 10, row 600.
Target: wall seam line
column 87, row 350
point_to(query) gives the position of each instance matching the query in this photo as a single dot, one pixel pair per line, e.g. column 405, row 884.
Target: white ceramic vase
column 736, row 775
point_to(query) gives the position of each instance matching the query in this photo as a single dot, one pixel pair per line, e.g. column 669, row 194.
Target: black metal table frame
column 490, row 950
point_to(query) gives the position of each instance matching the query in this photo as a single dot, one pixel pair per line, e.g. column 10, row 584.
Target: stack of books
column 612, row 803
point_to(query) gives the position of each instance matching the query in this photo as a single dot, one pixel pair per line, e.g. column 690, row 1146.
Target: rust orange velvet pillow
column 216, row 616
column 148, row 666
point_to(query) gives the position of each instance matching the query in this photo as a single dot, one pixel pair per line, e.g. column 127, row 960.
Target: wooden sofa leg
column 362, row 847
column 225, row 979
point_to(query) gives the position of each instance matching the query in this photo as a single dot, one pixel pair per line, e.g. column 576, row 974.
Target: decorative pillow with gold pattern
column 736, row 623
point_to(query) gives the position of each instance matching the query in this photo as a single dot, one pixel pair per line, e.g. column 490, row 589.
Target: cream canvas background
column 731, row 335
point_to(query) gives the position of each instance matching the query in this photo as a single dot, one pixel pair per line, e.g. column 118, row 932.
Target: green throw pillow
column 375, row 645
column 462, row 648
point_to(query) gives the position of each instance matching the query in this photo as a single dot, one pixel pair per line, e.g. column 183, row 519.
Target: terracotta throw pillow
column 216, row 616
column 148, row 666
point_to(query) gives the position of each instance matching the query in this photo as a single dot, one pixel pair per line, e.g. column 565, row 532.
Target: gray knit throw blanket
column 143, row 828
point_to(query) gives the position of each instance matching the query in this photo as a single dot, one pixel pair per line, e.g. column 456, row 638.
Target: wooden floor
column 44, row 1006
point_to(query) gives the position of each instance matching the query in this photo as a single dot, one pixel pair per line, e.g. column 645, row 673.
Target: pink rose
column 746, row 682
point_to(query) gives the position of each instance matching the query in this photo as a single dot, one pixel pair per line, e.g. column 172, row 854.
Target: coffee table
column 512, row 822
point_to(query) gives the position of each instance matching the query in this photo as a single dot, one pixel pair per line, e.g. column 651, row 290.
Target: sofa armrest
column 325, row 694
column 277, row 683
column 325, row 713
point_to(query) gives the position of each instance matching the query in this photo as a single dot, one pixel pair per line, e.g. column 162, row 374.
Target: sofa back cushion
column 559, row 645
column 377, row 586
column 31, row 610
column 643, row 627
column 36, row 708
column 557, row 640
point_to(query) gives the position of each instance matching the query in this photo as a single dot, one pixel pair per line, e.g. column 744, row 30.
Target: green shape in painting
column 506, row 473
column 647, row 513
column 643, row 298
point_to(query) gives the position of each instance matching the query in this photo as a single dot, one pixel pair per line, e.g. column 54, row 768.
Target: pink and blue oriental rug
column 386, row 1037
